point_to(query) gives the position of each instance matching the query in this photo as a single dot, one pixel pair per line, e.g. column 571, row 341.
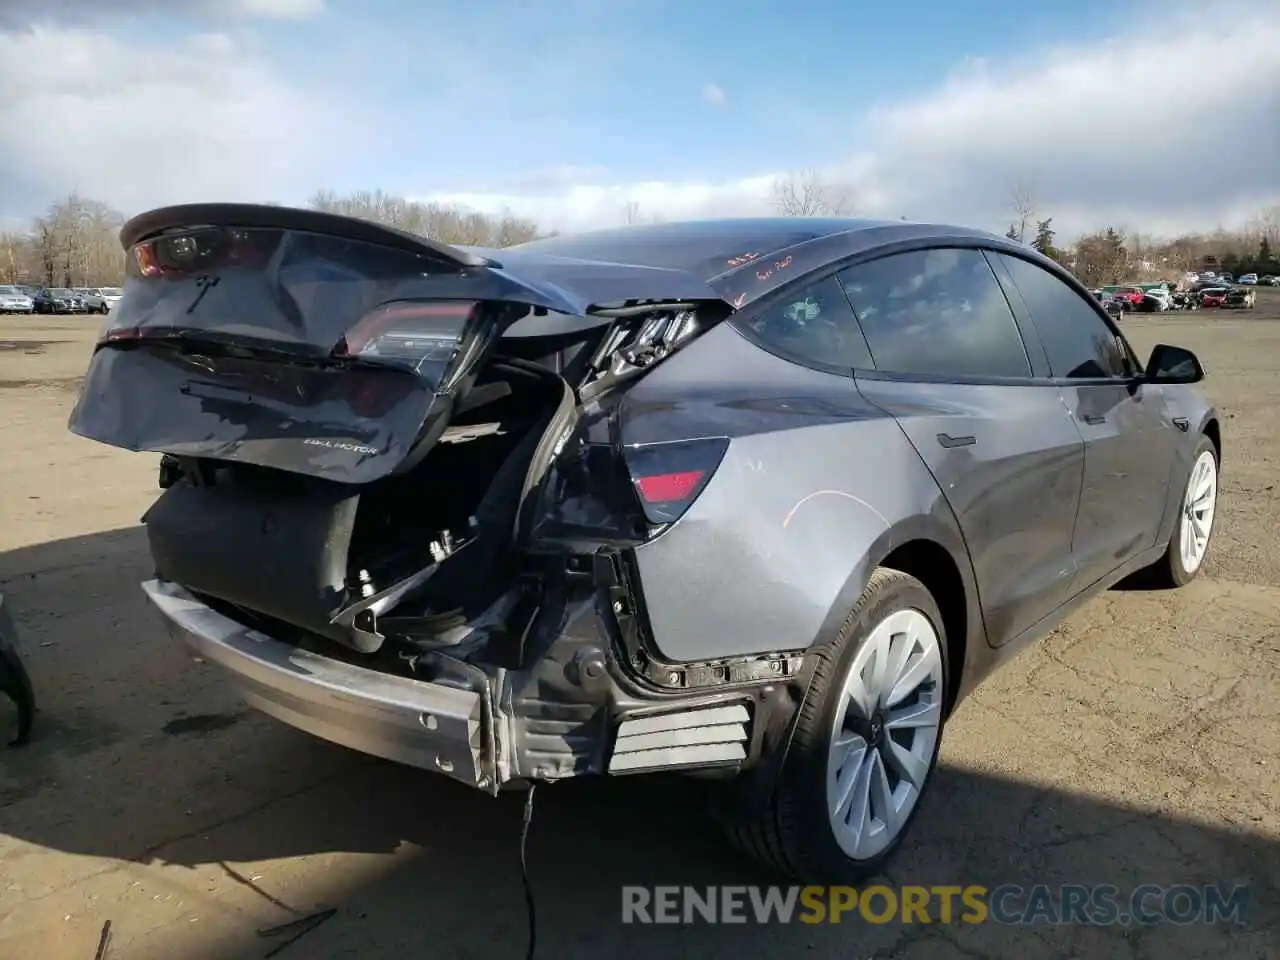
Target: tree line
column 75, row 243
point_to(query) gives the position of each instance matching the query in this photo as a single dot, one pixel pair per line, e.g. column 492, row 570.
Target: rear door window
column 1079, row 342
column 815, row 326
column 938, row 313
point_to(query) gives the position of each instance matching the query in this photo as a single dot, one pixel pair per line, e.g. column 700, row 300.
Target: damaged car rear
column 634, row 501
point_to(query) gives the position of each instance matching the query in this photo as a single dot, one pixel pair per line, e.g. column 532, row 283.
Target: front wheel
column 866, row 741
column 1189, row 543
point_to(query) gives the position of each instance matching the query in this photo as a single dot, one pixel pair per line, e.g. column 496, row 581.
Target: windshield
column 59, row 292
column 111, row 292
column 10, row 292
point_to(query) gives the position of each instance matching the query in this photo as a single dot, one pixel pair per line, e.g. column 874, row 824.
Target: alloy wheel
column 1198, row 508
column 887, row 723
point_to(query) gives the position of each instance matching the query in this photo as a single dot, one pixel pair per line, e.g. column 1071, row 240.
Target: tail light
column 203, row 248
column 434, row 338
column 668, row 477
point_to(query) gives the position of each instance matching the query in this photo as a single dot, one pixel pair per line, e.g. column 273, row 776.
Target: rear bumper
column 427, row 725
column 566, row 715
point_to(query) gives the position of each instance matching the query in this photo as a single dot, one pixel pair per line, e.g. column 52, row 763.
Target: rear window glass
column 936, row 312
column 813, row 325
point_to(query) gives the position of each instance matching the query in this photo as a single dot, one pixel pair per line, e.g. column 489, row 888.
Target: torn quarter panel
column 314, row 343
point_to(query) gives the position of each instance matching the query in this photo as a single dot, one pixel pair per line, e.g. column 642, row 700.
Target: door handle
column 949, row 441
column 1093, row 418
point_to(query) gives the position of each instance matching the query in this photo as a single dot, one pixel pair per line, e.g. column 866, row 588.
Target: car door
column 1129, row 435
column 951, row 365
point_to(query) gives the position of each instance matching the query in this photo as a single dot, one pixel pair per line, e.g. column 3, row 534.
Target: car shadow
column 140, row 756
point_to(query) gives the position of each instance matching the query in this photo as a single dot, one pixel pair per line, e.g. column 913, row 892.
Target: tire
column 1178, row 568
column 794, row 834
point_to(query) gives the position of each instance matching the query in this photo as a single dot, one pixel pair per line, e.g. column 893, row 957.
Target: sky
column 1153, row 115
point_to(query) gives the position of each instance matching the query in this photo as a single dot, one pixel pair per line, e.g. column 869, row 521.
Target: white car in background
column 13, row 300
column 1161, row 298
column 101, row 299
column 1248, row 280
column 111, row 295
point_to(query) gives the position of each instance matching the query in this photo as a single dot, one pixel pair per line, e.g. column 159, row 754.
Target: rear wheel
column 865, row 743
column 1189, row 543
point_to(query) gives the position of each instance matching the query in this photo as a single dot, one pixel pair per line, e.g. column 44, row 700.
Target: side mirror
column 1170, row 364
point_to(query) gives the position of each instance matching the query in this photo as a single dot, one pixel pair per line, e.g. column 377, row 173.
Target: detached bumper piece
column 704, row 737
column 422, row 724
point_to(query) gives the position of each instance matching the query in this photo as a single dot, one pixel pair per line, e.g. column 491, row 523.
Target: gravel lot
column 1140, row 744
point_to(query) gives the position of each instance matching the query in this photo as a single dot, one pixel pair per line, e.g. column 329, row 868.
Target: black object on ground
column 524, row 872
column 14, row 681
column 296, row 929
column 104, row 941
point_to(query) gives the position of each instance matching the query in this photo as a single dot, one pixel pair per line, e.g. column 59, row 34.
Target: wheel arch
column 932, row 550
column 1213, row 431
column 930, row 563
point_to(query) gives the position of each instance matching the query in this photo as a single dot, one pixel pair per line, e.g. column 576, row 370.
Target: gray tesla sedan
column 759, row 500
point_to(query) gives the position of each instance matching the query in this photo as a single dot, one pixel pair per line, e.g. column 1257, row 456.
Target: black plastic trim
column 195, row 215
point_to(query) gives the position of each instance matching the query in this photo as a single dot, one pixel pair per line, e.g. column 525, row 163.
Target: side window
column 815, row 324
column 1079, row 343
column 938, row 312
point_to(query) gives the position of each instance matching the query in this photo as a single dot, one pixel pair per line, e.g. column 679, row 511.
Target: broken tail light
column 437, row 339
column 668, row 477
column 185, row 252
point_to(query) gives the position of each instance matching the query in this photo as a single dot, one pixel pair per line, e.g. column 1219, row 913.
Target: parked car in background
column 1226, row 278
column 93, row 301
column 1241, row 298
column 1269, row 281
column 13, row 300
column 58, row 300
column 1213, row 297
column 1128, row 292
column 760, row 500
column 1184, row 300
column 1155, row 299
column 100, row 299
column 1116, row 307
column 1248, row 279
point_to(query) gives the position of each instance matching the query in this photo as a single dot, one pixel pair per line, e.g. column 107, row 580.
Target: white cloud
column 1140, row 131
column 714, row 94
column 141, row 125
column 279, row 9
column 1146, row 131
column 49, row 12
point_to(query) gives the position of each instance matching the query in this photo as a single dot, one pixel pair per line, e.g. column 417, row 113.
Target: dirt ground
column 1140, row 744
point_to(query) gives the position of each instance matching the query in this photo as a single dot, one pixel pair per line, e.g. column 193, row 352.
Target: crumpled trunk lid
column 314, row 343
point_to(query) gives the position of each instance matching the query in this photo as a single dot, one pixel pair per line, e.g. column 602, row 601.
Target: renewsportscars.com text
column 1010, row 904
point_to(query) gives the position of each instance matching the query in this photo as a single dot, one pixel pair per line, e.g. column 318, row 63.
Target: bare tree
column 807, row 194
column 1023, row 201
column 16, row 262
column 446, row 223
column 1266, row 224
column 75, row 243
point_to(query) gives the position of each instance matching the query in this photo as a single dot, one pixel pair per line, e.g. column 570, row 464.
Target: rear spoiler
column 512, row 275
column 192, row 215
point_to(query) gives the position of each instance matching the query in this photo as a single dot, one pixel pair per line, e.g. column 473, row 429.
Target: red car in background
column 1132, row 294
column 1213, row 297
